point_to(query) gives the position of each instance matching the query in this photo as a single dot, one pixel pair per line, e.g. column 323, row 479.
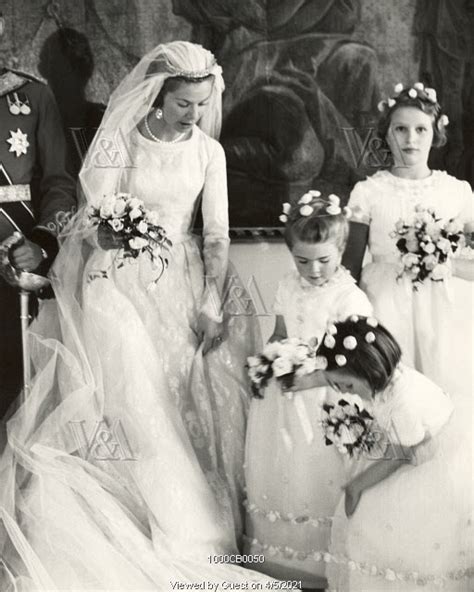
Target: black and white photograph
column 236, row 295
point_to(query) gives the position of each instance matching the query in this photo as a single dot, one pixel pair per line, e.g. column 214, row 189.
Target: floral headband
column 305, row 208
column 349, row 342
column 417, row 90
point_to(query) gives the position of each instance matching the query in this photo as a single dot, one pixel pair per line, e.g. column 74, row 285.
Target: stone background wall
column 332, row 62
column 388, row 27
column 120, row 31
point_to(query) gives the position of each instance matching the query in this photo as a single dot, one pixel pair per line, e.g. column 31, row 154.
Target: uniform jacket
column 33, row 153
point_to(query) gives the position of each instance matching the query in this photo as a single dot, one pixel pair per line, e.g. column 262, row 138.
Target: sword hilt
column 12, row 243
column 18, row 278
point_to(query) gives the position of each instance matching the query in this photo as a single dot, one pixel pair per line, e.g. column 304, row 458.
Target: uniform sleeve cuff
column 46, row 241
column 49, row 247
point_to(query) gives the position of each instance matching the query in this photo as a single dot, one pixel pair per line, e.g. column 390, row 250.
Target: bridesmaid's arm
column 313, row 380
column 469, row 234
column 376, row 473
column 370, row 477
column 355, row 249
column 464, row 267
column 279, row 332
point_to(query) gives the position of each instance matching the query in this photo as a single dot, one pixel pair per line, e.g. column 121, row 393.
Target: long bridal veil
column 100, row 486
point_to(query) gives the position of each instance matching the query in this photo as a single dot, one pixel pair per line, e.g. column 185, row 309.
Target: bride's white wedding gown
column 124, row 469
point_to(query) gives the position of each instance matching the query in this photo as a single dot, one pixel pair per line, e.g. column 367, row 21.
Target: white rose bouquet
column 426, row 246
column 283, row 360
column 349, row 427
column 136, row 227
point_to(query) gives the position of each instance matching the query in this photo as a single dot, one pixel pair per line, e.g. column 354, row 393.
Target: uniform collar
column 10, row 81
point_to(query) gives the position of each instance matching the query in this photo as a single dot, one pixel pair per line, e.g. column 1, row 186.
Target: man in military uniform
column 37, row 196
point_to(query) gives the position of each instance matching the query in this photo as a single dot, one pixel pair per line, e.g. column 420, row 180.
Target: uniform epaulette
column 28, row 76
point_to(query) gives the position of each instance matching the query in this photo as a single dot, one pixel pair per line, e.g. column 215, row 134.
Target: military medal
column 13, row 106
column 18, row 142
column 25, row 108
column 18, row 104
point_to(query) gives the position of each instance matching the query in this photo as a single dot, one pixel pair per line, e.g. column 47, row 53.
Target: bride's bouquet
column 426, row 246
column 349, row 427
column 283, row 360
column 137, row 230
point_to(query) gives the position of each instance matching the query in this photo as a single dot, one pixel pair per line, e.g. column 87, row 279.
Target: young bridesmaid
column 424, row 321
column 293, row 479
column 405, row 522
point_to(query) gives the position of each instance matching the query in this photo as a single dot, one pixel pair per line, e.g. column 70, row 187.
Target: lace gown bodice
column 176, row 174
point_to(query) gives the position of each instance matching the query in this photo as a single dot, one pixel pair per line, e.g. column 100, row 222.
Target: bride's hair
column 171, row 84
column 364, row 348
column 181, row 62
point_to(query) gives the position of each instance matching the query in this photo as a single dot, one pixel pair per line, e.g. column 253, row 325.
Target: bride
column 123, row 469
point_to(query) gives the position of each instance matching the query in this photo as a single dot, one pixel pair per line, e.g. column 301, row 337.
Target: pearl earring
column 159, row 114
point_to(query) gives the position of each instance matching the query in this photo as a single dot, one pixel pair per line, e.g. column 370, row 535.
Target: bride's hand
column 108, row 239
column 210, row 332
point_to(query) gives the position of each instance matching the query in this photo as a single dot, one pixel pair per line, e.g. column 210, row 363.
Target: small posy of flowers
column 137, row 227
column 426, row 246
column 349, row 427
column 283, row 360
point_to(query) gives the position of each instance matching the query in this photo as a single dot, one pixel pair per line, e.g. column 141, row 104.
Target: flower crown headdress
column 333, row 207
column 349, row 342
column 418, row 90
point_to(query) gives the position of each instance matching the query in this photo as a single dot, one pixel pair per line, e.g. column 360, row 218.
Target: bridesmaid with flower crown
column 405, row 521
column 294, row 480
column 432, row 320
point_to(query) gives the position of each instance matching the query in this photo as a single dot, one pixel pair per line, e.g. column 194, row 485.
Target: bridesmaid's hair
column 318, row 227
column 421, row 102
column 375, row 356
column 172, row 83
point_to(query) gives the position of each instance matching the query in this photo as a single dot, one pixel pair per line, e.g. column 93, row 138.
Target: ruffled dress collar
column 341, row 276
column 400, row 183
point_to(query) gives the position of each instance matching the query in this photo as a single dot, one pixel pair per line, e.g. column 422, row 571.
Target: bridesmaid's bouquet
column 426, row 246
column 348, row 426
column 283, row 360
column 137, row 230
